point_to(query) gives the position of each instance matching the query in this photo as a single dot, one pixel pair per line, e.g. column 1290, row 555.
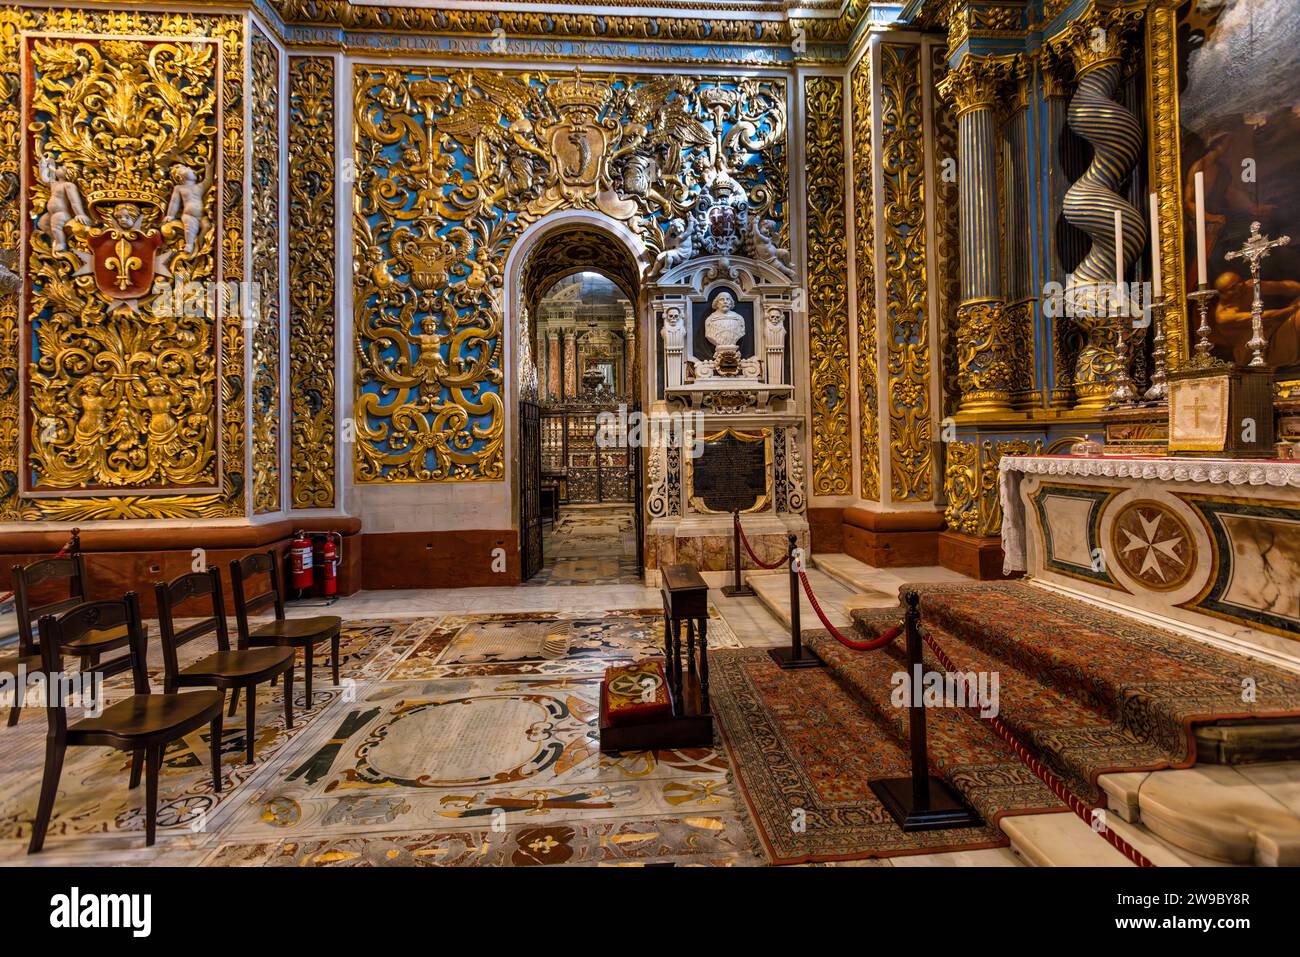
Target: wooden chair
column 143, row 723
column 226, row 670
column 70, row 567
column 302, row 633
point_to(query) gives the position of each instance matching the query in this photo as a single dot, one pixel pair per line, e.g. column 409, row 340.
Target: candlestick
column 1159, row 389
column 1123, row 395
column 1155, row 248
column 1202, row 298
column 1202, row 269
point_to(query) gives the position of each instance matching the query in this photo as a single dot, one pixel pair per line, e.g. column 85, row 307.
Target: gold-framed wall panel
column 224, row 391
column 864, row 269
column 907, row 309
column 266, row 412
column 828, row 305
column 312, row 291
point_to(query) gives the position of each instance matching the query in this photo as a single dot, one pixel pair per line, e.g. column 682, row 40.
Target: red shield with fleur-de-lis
column 124, row 261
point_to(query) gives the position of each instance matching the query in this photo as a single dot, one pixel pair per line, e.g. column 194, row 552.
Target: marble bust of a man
column 724, row 327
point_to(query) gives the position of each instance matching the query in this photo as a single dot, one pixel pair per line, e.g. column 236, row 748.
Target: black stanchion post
column 795, row 656
column 738, row 589
column 920, row 802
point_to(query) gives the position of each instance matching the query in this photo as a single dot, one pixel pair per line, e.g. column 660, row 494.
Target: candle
column 1202, row 271
column 1119, row 254
column 1155, row 248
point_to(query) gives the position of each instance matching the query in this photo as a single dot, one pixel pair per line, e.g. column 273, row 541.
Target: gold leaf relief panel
column 453, row 165
column 865, row 270
column 947, row 253
column 902, row 161
column 311, row 281
column 122, row 224
column 828, row 319
column 265, row 419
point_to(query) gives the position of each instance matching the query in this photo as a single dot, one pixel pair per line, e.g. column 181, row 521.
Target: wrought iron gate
column 530, row 488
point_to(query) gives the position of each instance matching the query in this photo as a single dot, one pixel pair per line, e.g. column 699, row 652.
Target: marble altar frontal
column 1213, row 544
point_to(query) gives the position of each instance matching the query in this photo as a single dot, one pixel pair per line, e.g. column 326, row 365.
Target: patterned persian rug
column 803, row 749
column 1090, row 692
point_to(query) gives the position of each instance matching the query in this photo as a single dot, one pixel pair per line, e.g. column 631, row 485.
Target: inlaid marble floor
column 453, row 740
column 589, row 544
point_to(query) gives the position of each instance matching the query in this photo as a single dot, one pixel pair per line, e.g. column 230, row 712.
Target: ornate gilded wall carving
column 1166, row 175
column 947, row 251
column 864, row 265
column 121, row 240
column 311, row 282
column 828, row 313
column 972, row 482
column 453, row 166
column 265, row 420
column 907, row 308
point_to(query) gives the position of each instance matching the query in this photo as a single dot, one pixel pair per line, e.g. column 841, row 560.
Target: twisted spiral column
column 1091, row 202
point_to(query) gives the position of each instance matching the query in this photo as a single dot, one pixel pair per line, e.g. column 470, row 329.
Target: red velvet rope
column 1044, row 773
column 757, row 561
column 875, row 643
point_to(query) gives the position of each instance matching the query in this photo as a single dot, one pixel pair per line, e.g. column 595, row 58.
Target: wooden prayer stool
column 686, row 598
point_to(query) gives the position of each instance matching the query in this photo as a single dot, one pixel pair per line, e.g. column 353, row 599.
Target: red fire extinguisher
column 300, row 571
column 329, row 565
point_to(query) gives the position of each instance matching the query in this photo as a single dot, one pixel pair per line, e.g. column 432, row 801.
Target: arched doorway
column 577, row 315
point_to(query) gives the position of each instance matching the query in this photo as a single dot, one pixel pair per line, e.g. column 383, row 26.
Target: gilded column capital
column 1098, row 36
column 977, row 82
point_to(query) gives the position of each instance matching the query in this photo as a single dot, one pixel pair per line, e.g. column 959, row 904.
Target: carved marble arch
column 557, row 246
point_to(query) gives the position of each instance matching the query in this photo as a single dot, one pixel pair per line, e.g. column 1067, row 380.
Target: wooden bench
column 686, row 598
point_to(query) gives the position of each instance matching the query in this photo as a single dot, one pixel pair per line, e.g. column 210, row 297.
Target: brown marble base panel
column 713, row 553
column 977, row 557
column 825, row 530
column 119, row 560
column 457, row 559
column 892, row 539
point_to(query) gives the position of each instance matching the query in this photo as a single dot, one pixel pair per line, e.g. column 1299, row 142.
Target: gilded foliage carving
column 828, row 320
column 311, row 282
column 1166, row 174
column 971, row 481
column 265, row 420
column 453, row 166
column 119, row 231
column 947, row 251
column 864, row 265
column 902, row 162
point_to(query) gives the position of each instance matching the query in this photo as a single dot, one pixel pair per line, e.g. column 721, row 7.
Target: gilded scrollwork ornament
column 864, row 266
column 133, row 384
column 312, row 390
column 828, row 329
column 265, row 420
column 454, row 166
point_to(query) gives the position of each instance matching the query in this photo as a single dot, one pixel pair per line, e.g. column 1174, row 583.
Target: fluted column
column 983, row 341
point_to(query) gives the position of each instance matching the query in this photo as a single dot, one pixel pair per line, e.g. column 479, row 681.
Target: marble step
column 773, row 590
column 1064, row 840
column 881, row 584
column 1249, row 814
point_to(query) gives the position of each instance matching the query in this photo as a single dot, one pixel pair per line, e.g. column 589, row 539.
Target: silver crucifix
column 1253, row 251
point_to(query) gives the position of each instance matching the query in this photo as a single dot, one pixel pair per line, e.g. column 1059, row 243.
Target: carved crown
column 573, row 92
column 131, row 179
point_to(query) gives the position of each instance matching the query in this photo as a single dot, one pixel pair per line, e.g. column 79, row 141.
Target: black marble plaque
column 731, row 473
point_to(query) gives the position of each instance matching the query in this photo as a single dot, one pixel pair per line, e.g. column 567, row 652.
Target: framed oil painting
column 1244, row 137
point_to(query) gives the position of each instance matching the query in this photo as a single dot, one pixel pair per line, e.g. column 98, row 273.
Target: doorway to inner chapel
column 582, row 478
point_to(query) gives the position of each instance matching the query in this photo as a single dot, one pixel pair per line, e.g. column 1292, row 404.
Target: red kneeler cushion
column 636, row 693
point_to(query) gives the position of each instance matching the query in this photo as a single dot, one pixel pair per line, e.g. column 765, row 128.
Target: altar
column 1209, row 545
